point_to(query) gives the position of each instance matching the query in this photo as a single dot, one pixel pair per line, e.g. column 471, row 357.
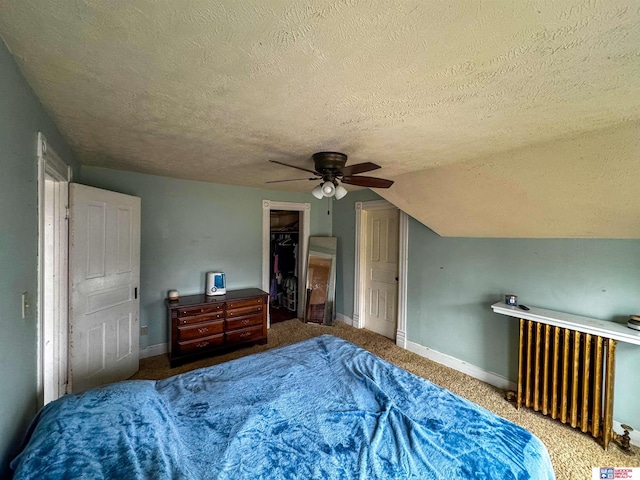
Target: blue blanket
column 322, row 408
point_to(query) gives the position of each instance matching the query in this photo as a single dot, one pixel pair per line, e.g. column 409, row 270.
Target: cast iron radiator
column 568, row 375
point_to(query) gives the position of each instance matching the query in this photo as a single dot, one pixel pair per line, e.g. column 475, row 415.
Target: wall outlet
column 144, row 330
column 25, row 304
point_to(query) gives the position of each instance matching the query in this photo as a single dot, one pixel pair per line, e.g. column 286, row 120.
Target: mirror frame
column 324, row 248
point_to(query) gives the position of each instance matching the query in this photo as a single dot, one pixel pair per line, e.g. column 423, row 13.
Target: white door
column 381, row 267
column 54, row 176
column 104, row 273
column 54, row 288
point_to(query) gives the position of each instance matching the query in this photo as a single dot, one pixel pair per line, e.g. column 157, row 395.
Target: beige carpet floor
column 573, row 453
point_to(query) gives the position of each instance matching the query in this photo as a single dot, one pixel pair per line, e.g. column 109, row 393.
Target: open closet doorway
column 284, row 253
column 285, row 237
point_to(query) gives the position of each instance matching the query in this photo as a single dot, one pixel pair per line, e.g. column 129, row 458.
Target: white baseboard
column 344, row 319
column 153, row 350
column 462, row 366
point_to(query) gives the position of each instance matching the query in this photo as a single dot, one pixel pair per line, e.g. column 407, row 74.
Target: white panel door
column 381, row 264
column 104, row 267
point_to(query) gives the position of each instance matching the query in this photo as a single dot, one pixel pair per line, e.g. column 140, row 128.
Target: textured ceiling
column 472, row 107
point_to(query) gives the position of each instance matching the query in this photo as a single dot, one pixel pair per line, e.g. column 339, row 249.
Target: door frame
column 304, row 210
column 54, row 176
column 359, row 286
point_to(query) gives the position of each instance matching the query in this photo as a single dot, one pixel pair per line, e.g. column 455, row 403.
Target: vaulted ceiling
column 495, row 119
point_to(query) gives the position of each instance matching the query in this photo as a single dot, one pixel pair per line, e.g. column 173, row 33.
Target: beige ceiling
column 500, row 119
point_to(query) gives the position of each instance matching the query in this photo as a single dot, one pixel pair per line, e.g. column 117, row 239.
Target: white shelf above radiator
column 593, row 326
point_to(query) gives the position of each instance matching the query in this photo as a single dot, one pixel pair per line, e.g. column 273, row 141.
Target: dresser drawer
column 233, row 304
column 195, row 311
column 244, row 311
column 244, row 322
column 200, row 330
column 200, row 344
column 244, row 335
column 219, row 315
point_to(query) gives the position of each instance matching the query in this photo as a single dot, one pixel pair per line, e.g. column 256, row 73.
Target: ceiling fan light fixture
column 340, row 192
column 328, row 189
column 317, row 192
column 331, row 168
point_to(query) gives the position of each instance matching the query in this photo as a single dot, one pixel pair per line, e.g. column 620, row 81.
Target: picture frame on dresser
column 202, row 325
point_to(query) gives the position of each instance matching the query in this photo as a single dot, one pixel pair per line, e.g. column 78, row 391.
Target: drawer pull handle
column 259, row 309
column 245, row 322
column 203, row 330
column 182, row 322
column 202, row 344
column 245, row 334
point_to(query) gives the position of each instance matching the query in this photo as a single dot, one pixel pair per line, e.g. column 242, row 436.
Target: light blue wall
column 453, row 281
column 189, row 228
column 21, row 117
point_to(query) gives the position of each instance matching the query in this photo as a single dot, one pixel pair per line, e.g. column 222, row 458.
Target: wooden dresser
column 202, row 325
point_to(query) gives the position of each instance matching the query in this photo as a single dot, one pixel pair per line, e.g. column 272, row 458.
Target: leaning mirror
column 321, row 280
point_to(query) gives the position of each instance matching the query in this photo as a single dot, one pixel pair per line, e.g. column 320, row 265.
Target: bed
column 322, row 408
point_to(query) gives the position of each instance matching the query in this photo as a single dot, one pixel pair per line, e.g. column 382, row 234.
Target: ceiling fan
column 330, row 168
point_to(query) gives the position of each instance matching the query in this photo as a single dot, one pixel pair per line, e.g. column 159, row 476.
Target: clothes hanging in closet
column 284, row 254
column 284, row 258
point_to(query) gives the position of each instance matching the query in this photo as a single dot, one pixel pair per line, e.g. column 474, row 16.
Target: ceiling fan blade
column 292, row 180
column 368, row 182
column 359, row 168
column 294, row 166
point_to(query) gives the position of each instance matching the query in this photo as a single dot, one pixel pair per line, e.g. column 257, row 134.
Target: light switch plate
column 25, row 304
column 144, row 330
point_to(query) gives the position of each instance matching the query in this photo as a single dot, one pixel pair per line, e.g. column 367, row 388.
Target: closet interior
column 284, row 254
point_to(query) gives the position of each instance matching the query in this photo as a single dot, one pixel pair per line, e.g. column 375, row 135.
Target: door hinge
column 135, row 293
column 66, row 212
